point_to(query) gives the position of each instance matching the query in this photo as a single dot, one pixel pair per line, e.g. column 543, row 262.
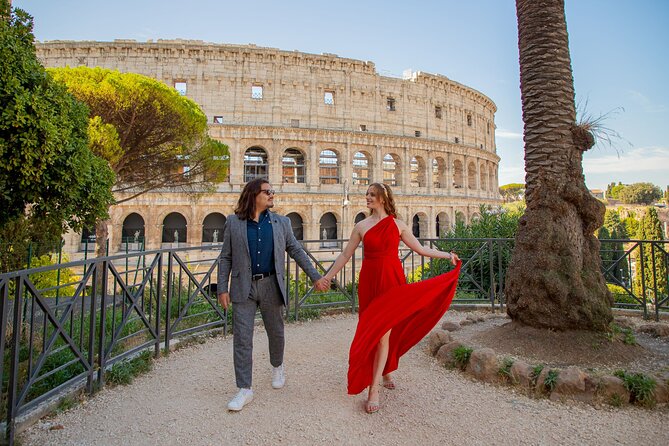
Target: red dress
column 387, row 302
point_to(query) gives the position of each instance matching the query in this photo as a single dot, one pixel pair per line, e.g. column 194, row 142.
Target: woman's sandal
column 372, row 406
column 389, row 384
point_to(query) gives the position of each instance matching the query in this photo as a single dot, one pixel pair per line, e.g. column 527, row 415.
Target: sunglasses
column 268, row 191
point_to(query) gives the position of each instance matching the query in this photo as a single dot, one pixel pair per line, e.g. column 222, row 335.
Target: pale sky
column 619, row 50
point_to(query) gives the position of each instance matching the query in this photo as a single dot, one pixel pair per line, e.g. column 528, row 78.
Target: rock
column 540, row 386
column 450, row 326
column 661, row 392
column 436, row 339
column 483, row 365
column 472, row 317
column 480, row 319
column 444, row 355
column 521, row 374
column 611, row 390
column 466, row 322
column 573, row 383
column 659, row 330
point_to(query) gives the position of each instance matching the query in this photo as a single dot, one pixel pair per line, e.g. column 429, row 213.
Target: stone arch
column 329, row 167
column 328, row 229
column 362, row 168
column 133, row 223
column 359, row 217
column 293, row 167
column 212, row 228
column 471, row 175
column 175, row 228
column 439, row 173
column 458, row 175
column 443, row 224
column 297, row 224
column 256, row 163
column 419, row 225
column 491, row 178
column 418, row 174
column 392, row 169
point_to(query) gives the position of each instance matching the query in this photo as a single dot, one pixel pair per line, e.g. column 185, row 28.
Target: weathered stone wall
column 435, row 120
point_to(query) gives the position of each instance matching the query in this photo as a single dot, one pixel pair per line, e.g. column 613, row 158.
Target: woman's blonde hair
column 384, row 192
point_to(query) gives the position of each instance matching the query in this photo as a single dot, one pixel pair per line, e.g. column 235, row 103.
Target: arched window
column 361, row 168
column 174, row 228
column 292, row 164
column 212, row 228
column 328, row 167
column 415, row 226
column 419, row 225
column 458, row 174
column 417, row 172
column 296, row 225
column 391, row 169
column 438, row 173
column 471, row 176
column 132, row 230
column 328, row 230
column 443, row 224
column 255, row 164
column 360, row 217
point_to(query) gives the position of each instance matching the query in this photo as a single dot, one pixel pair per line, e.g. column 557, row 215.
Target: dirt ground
column 182, row 401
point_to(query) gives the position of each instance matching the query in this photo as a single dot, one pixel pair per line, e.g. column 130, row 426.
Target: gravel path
column 182, row 402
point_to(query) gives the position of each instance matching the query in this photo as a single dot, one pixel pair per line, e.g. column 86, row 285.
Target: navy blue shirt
column 261, row 244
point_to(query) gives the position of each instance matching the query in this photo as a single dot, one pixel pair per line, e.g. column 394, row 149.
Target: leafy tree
column 613, row 253
column 640, row 193
column 512, row 192
column 49, row 178
column 152, row 137
column 654, row 281
column 491, row 224
column 554, row 279
column 613, row 190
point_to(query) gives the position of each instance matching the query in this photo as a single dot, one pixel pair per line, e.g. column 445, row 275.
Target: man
column 254, row 245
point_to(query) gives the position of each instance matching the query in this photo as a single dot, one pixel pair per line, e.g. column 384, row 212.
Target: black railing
column 65, row 325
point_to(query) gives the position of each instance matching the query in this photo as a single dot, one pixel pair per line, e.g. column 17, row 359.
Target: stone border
column 569, row 384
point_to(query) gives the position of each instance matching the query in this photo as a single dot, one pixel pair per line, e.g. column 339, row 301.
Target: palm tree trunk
column 554, row 279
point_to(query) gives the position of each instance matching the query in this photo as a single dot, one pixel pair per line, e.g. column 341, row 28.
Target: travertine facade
column 317, row 126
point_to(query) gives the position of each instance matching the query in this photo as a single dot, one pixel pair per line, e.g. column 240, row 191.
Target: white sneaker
column 278, row 377
column 243, row 397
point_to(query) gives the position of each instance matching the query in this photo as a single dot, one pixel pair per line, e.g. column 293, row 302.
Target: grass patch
column 640, row 386
column 551, row 379
column 536, row 371
column 505, row 369
column 123, row 372
column 461, row 356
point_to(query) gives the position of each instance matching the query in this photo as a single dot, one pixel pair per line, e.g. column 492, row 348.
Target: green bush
column 640, row 386
column 461, row 355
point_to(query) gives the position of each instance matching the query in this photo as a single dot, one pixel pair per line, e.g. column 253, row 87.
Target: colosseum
column 320, row 127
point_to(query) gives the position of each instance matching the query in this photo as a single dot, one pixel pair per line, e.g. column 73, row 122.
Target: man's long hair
column 246, row 205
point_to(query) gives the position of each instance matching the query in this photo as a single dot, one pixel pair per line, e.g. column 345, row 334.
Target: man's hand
column 322, row 284
column 224, row 300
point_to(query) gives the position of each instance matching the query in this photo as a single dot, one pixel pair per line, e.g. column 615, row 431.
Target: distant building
column 598, row 193
column 320, row 127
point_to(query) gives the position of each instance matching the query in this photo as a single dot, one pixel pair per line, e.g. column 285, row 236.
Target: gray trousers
column 265, row 293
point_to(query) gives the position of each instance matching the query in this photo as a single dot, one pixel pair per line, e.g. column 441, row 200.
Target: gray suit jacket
column 235, row 260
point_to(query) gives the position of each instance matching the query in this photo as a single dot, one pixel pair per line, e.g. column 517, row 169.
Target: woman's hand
column 454, row 258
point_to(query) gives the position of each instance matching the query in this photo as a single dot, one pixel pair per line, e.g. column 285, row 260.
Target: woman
column 394, row 316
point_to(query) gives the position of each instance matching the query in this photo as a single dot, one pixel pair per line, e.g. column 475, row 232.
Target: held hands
column 454, row 258
column 224, row 300
column 322, row 284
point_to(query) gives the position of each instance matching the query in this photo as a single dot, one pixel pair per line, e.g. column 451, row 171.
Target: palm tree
column 554, row 279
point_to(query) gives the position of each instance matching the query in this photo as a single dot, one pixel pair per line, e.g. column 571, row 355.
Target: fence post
column 159, row 292
column 102, row 355
column 91, row 332
column 12, row 387
column 491, row 272
column 168, row 301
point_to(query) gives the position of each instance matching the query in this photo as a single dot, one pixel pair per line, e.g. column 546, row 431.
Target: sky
column 619, row 51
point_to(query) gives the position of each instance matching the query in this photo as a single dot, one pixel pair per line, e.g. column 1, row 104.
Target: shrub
column 640, row 386
column 461, row 355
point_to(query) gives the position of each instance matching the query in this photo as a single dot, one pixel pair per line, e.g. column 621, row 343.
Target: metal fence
column 64, row 326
